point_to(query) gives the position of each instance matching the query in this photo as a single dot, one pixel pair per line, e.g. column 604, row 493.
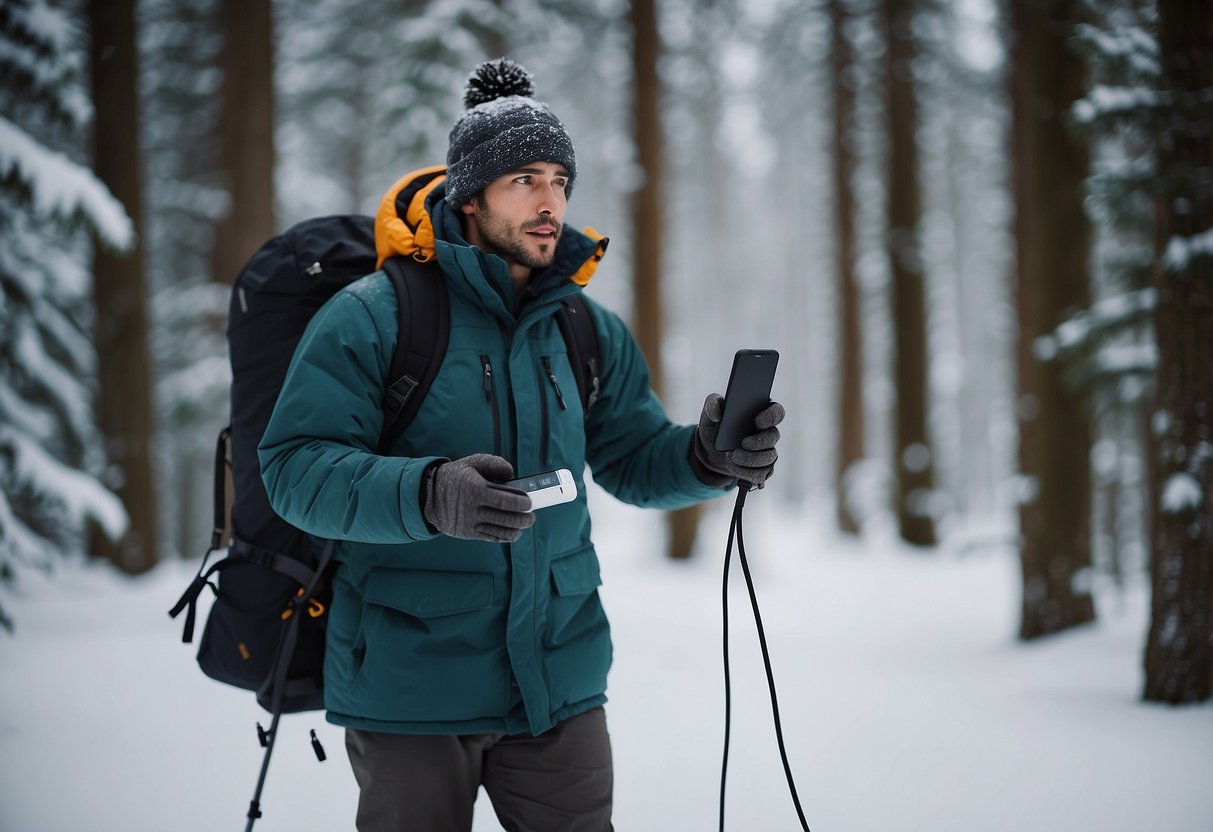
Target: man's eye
column 523, row 180
column 560, row 183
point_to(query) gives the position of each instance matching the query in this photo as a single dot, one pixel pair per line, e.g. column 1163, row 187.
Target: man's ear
column 469, row 207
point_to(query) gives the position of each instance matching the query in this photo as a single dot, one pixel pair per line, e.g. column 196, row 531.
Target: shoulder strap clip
column 398, row 395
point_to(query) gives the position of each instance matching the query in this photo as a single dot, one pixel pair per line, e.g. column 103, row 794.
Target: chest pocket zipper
column 544, row 427
column 490, row 397
column 547, row 368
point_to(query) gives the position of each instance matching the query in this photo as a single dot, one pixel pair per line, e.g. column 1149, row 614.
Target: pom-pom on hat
column 503, row 129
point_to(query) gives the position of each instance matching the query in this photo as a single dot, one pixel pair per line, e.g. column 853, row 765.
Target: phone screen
column 748, row 394
column 548, row 480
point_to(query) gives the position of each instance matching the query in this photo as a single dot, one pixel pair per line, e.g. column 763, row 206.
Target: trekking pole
column 743, row 488
column 276, row 683
column 277, row 679
column 268, row 737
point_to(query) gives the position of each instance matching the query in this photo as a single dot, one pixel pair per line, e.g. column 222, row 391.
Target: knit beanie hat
column 503, row 129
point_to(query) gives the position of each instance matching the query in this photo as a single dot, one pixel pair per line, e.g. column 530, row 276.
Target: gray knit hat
column 503, row 129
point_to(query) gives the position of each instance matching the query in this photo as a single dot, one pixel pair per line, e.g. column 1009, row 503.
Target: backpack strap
column 424, row 327
column 581, row 340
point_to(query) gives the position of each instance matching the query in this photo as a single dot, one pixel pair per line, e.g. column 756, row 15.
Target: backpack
column 266, row 628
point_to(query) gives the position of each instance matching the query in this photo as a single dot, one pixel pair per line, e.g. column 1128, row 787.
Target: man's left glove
column 753, row 461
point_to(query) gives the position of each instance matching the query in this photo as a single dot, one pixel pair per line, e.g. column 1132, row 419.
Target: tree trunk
column 124, row 371
column 912, row 447
column 850, row 342
column 648, row 221
column 247, row 134
column 1052, row 247
column 648, row 229
column 1179, row 651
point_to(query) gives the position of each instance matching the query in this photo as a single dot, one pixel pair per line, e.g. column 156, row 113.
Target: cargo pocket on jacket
column 433, row 647
column 574, row 608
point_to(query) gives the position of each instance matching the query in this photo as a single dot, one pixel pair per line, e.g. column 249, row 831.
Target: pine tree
column 961, row 74
column 1179, row 654
column 1052, row 236
column 648, row 217
column 850, row 407
column 912, row 446
column 1107, row 349
column 120, row 297
column 369, row 91
column 836, row 345
column 50, row 453
column 179, row 45
column 247, row 150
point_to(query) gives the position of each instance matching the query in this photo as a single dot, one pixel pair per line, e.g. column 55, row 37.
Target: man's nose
column 550, row 198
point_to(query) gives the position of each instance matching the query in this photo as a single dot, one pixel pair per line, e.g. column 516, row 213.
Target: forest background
column 979, row 233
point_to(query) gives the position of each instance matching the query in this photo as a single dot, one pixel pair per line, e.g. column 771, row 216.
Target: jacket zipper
column 491, row 398
column 547, row 368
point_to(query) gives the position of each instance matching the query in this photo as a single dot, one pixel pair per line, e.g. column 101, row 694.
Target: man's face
column 519, row 216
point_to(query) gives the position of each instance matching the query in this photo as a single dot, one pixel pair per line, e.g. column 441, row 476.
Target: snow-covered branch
column 1108, row 100
column 61, row 188
column 80, row 495
column 1095, row 324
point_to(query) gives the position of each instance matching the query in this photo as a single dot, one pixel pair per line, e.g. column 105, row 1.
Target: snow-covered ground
column 907, row 703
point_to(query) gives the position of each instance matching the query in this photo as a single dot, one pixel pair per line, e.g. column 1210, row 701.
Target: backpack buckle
column 398, row 394
column 315, row 609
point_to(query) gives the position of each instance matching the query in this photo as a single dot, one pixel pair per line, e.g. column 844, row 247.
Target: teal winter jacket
column 429, row 634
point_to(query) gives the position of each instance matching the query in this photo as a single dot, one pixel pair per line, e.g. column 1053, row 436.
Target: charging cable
column 743, row 488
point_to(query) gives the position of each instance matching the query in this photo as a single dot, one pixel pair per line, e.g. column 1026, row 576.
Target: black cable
column 736, row 527
column 728, row 688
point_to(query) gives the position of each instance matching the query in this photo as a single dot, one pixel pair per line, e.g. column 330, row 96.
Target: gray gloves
column 753, row 461
column 462, row 499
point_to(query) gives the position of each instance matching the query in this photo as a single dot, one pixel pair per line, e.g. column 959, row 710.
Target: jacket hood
column 403, row 225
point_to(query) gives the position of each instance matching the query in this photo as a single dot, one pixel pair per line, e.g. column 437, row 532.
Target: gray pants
column 561, row 780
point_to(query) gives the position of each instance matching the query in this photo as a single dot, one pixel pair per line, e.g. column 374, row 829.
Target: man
column 466, row 644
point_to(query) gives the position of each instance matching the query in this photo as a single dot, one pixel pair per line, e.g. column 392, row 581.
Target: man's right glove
column 753, row 461
column 463, row 499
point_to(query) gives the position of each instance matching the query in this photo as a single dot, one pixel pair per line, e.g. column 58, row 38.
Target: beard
column 511, row 243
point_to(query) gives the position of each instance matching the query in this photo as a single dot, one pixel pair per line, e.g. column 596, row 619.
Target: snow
column 1181, row 493
column 210, row 375
column 1119, row 359
column 916, row 457
column 1180, row 250
column 906, row 702
column 24, row 547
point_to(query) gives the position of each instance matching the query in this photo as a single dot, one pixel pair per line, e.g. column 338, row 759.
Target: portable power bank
column 547, row 489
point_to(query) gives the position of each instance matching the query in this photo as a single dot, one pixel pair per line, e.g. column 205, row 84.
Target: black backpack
column 265, row 631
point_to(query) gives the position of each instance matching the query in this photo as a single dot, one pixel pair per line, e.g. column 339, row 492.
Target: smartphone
column 748, row 394
column 547, row 489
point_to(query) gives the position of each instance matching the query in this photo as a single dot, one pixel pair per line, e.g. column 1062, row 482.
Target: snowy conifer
column 1107, row 349
column 50, row 455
